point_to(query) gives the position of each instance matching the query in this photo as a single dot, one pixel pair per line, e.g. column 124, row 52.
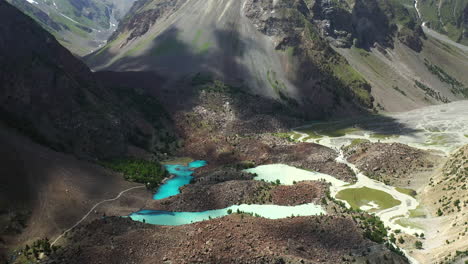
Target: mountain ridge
column 50, row 95
column 312, row 51
column 80, row 25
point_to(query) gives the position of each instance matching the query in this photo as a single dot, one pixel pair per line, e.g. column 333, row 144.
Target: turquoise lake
column 183, row 176
column 264, row 210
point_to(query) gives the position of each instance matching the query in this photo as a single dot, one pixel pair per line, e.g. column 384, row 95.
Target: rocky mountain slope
column 82, row 26
column 395, row 164
column 406, row 68
column 446, row 17
column 285, row 60
column 309, row 240
column 229, row 78
column 43, row 192
column 447, row 198
column 329, row 57
column 49, row 95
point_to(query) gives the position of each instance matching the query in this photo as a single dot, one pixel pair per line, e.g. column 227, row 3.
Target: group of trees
column 38, row 249
column 150, row 173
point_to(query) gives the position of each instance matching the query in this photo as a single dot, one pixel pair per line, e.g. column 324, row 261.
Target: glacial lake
column 183, row 176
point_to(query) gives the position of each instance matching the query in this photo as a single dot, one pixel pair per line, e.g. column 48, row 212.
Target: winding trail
column 92, row 209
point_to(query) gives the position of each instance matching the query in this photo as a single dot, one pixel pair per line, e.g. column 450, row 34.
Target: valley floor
column 392, row 163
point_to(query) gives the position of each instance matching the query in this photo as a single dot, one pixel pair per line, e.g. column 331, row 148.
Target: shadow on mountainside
column 43, row 192
column 174, row 83
column 371, row 25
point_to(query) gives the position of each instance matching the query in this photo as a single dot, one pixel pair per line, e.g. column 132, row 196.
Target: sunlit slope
column 82, row 26
column 449, row 17
column 403, row 79
column 200, row 36
column 446, row 196
column 415, row 69
column 234, row 41
column 299, row 52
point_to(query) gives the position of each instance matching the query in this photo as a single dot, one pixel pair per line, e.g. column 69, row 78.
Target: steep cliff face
column 367, row 23
column 52, row 97
column 80, row 25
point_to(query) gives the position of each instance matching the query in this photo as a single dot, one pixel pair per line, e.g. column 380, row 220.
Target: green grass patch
column 203, row 47
column 395, row 217
column 457, row 86
column 290, row 51
column 312, row 136
column 406, row 191
column 349, row 76
column 330, row 130
column 296, row 136
column 293, row 137
column 357, row 197
column 70, row 24
column 167, row 47
column 404, row 222
column 419, row 212
column 356, row 141
column 109, row 44
column 437, row 140
column 382, row 136
column 197, row 37
column 276, row 85
column 178, row 161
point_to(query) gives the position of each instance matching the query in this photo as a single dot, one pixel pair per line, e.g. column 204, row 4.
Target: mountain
column 80, row 25
column 446, row 17
column 225, row 39
column 447, row 191
column 414, row 68
column 57, row 122
column 272, row 120
column 54, row 98
column 328, row 56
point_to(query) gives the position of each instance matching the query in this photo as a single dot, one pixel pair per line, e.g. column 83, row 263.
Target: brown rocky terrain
column 224, row 194
column 230, row 126
column 215, row 196
column 43, row 192
column 221, row 130
column 300, row 193
column 393, row 163
column 232, row 239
